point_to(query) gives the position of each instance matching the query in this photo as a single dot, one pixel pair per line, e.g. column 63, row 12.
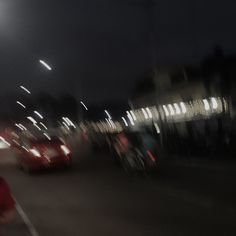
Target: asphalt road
column 97, row 198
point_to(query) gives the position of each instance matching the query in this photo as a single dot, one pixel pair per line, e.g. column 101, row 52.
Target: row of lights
column 68, row 123
column 205, row 107
column 37, row 125
column 183, row 110
column 105, row 127
column 175, row 109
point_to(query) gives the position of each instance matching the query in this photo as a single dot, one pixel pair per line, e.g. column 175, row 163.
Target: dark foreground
column 96, row 198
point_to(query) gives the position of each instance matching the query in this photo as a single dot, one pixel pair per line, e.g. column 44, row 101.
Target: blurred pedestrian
column 7, row 203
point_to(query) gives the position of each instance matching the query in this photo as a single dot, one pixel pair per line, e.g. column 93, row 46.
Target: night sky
column 97, row 48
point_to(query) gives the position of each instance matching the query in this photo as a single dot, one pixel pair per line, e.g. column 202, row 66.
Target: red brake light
column 152, row 157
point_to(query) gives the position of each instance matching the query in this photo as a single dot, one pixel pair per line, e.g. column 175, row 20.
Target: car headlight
column 35, row 152
column 65, row 149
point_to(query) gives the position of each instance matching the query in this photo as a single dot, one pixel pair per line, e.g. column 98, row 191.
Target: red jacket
column 6, row 201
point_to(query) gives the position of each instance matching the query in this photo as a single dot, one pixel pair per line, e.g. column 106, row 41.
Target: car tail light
column 35, row 152
column 151, row 156
column 65, row 149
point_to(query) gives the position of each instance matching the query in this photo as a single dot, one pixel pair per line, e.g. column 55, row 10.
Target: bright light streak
column 130, row 119
column 38, row 114
column 112, row 124
column 66, row 120
column 108, row 121
column 149, row 112
column 86, row 108
column 32, row 119
column 45, row 64
column 19, row 127
column 145, row 113
column 44, row 126
column 21, row 104
column 133, row 115
column 183, row 107
column 35, row 152
column 64, row 123
column 47, row 136
column 108, row 115
column 157, row 128
column 126, row 124
column 65, row 149
column 37, row 127
column 22, row 126
column 177, row 109
column 206, row 104
column 172, row 112
column 70, row 122
column 214, row 103
column 166, row 110
column 24, row 88
column 128, row 113
column 4, row 141
column 25, row 148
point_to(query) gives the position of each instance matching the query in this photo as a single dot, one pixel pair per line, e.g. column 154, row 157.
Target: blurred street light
column 47, row 136
column 19, row 127
column 44, row 126
column 133, row 115
column 183, row 107
column 157, row 128
column 86, row 108
column 66, row 120
column 206, row 104
column 21, row 104
column 172, row 112
column 126, row 124
column 22, row 126
column 130, row 119
column 25, row 89
column 149, row 112
column 64, row 123
column 70, row 122
column 38, row 114
column 145, row 113
column 37, row 126
column 109, row 116
column 166, row 110
column 177, row 109
column 32, row 119
column 214, row 103
column 45, row 64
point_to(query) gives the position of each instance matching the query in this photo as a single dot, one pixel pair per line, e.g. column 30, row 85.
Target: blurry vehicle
column 135, row 152
column 43, row 153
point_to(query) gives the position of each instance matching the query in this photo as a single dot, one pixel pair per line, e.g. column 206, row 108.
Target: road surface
column 95, row 197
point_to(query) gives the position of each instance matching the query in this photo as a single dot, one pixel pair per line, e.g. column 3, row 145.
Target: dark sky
column 97, row 48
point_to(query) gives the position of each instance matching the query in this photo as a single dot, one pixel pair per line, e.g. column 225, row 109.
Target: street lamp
column 86, row 108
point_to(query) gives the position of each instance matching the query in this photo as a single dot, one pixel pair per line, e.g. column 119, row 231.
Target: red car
column 43, row 153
